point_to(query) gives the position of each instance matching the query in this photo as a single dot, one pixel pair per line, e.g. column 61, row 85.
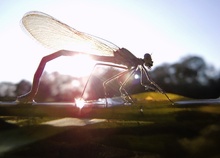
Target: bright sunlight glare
column 136, row 76
column 77, row 66
column 75, row 83
column 80, row 103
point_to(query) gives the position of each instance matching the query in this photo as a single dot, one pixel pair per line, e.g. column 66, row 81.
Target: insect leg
column 124, row 93
column 143, row 84
column 104, row 83
column 122, row 89
column 29, row 97
column 97, row 64
column 111, row 79
column 153, row 83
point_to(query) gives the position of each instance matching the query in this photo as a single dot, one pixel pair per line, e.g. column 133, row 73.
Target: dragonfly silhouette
column 54, row 34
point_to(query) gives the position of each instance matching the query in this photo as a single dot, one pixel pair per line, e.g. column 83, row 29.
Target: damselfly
column 70, row 42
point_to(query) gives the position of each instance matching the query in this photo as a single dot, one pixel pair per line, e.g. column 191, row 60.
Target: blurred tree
column 191, row 77
column 7, row 91
column 23, row 87
column 59, row 88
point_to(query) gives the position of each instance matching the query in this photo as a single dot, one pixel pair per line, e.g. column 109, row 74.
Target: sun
column 76, row 66
column 80, row 103
column 82, row 65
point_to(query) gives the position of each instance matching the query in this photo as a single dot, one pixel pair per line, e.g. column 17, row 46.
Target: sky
column 168, row 29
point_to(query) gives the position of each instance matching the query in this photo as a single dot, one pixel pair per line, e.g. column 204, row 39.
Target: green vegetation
column 161, row 130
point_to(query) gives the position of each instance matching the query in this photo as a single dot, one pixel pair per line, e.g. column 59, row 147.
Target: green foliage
column 161, row 130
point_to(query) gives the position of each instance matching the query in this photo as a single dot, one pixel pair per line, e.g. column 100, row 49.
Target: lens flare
column 136, row 76
column 80, row 103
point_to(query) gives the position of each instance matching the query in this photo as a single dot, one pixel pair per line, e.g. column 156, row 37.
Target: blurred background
column 182, row 36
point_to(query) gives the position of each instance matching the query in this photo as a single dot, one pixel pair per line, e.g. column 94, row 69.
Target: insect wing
column 56, row 35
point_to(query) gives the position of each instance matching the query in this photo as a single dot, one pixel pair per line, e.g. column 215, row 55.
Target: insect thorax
column 125, row 57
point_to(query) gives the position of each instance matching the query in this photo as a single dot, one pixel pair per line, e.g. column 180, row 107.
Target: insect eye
column 147, row 56
column 147, row 60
